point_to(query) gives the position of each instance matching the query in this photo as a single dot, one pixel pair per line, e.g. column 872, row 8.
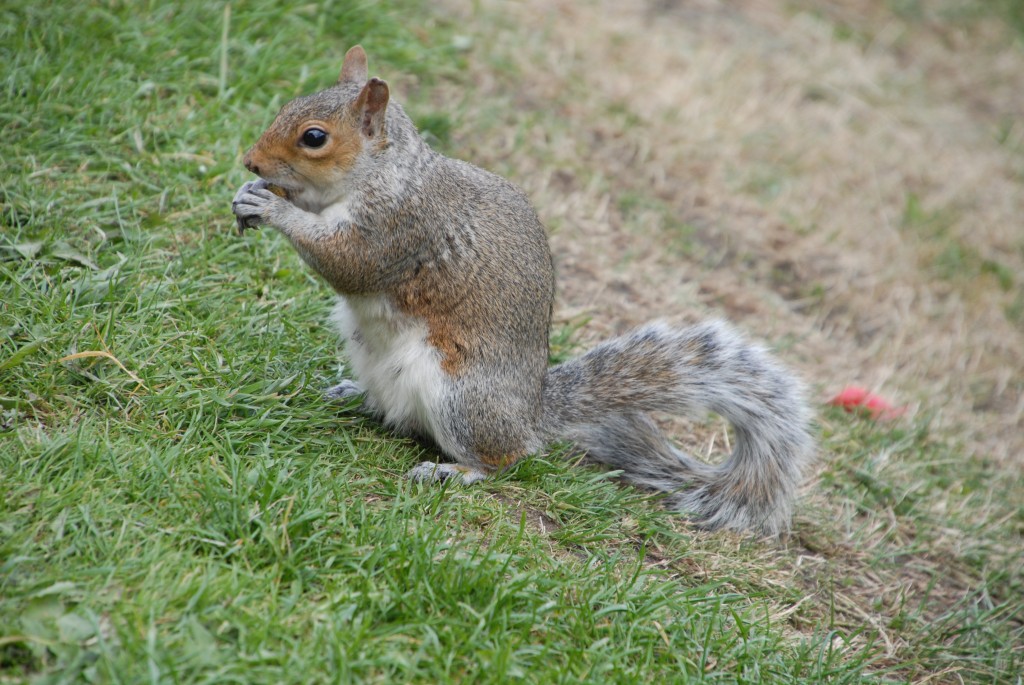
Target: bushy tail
column 601, row 401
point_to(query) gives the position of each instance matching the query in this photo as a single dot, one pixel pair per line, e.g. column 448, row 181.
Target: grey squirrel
column 445, row 284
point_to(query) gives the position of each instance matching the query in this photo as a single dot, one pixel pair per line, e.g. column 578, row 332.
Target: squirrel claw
column 244, row 222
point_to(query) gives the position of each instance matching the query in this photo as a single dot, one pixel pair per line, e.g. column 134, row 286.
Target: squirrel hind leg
column 433, row 472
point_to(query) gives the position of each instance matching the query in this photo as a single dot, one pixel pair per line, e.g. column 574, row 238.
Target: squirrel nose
column 247, row 161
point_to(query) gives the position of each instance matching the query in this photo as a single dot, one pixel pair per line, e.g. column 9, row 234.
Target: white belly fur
column 390, row 357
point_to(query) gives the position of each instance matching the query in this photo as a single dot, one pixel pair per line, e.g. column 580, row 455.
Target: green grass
column 180, row 506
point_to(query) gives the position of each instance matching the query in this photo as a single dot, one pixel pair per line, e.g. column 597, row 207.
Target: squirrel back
column 446, row 285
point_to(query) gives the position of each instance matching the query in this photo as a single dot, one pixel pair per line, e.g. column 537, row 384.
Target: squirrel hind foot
column 432, row 472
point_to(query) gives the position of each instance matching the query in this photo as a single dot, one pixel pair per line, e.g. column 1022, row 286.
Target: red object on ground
column 855, row 398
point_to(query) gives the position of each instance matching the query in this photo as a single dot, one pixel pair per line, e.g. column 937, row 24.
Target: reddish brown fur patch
column 453, row 355
column 348, row 147
column 440, row 335
column 415, row 300
column 278, row 153
column 499, row 462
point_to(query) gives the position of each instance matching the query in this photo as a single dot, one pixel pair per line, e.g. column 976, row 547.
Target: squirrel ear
column 354, row 68
column 371, row 106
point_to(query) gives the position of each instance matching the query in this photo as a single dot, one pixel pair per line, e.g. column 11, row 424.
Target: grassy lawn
column 177, row 504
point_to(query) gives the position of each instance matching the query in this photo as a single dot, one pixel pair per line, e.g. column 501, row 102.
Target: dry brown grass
column 836, row 178
column 845, row 198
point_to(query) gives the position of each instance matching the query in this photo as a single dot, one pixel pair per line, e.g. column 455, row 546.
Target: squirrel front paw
column 345, row 391
column 256, row 204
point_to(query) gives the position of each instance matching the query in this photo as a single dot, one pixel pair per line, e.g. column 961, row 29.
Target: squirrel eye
column 314, row 137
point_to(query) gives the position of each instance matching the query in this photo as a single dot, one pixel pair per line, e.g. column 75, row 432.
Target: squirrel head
column 317, row 140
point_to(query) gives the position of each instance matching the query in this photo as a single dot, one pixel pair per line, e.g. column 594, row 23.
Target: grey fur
column 602, row 400
column 462, row 251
